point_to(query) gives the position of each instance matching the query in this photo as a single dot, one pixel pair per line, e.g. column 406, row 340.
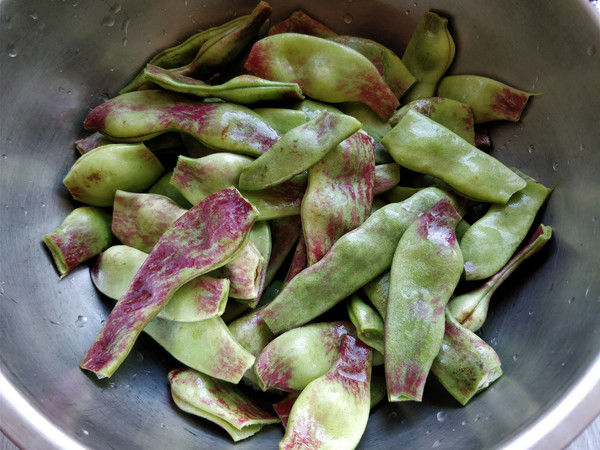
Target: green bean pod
column 491, row 241
column 300, row 22
column 428, row 55
column 197, row 178
column 372, row 124
column 354, row 260
column 370, row 327
column 423, row 145
column 285, row 233
column 470, row 309
column 139, row 220
column 221, row 403
column 98, row 174
column 299, row 260
column 324, row 70
column 455, row 116
column 488, row 99
column 297, row 150
column 377, row 291
column 201, row 298
column 312, row 108
column 83, row 234
column 243, row 89
column 282, row 119
column 465, row 364
column 204, row 238
column 339, row 194
column 426, row 269
column 142, row 115
column 94, row 140
column 333, row 410
column 295, row 358
column 207, row 346
column 388, row 64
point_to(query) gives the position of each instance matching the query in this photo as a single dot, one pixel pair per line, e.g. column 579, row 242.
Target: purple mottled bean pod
column 426, row 268
column 204, row 238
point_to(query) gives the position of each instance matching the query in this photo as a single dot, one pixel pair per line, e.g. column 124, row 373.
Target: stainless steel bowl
column 61, row 58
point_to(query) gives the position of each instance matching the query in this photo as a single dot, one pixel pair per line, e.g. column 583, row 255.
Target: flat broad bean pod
column 204, row 238
column 387, row 176
column 421, row 144
column 83, row 234
column 295, row 358
column 140, row 219
column 163, row 186
column 201, row 298
column 141, row 115
column 426, row 269
column 488, row 99
column 370, row 327
column 221, row 403
column 490, row 242
column 324, row 70
column 355, row 259
column 282, row 119
column 344, row 391
column 299, row 260
column 98, row 174
column 339, row 194
column 465, row 365
column 297, row 150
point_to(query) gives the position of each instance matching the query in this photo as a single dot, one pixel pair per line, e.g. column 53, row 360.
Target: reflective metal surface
column 60, row 58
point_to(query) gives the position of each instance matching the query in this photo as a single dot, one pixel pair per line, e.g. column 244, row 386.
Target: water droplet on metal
column 407, row 12
column 4, row 156
column 464, row 422
column 108, row 21
column 531, row 148
column 33, row 15
column 441, row 416
column 515, row 357
column 437, row 443
column 115, row 8
column 571, row 300
column 591, row 50
column 85, row 432
column 81, row 321
column 555, row 166
column 112, row 385
column 124, row 41
column 348, row 18
column 531, row 313
column 11, row 50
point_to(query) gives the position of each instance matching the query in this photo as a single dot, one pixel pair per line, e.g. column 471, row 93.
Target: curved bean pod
column 141, row 115
column 426, row 269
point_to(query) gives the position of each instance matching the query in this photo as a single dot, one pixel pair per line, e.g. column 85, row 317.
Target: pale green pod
column 428, row 55
column 98, row 174
column 470, row 309
column 206, row 346
column 465, row 364
column 282, row 120
column 387, row 176
column 139, row 220
column 324, row 70
column 312, row 108
column 423, row 145
column 83, row 234
column 285, row 233
column 243, row 89
column 399, row 193
column 244, row 272
column 197, row 178
column 163, row 187
column 374, row 125
column 454, row 115
column 221, row 403
column 388, row 64
column 370, row 327
column 297, row 357
column 297, row 150
column 377, row 291
column 333, row 410
column 202, row 298
column 260, row 236
column 491, row 241
column 488, row 99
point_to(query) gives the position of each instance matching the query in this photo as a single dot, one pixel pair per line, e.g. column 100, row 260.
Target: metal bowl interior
column 62, row 58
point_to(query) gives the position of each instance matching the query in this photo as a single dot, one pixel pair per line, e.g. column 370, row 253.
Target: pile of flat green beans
column 288, row 210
